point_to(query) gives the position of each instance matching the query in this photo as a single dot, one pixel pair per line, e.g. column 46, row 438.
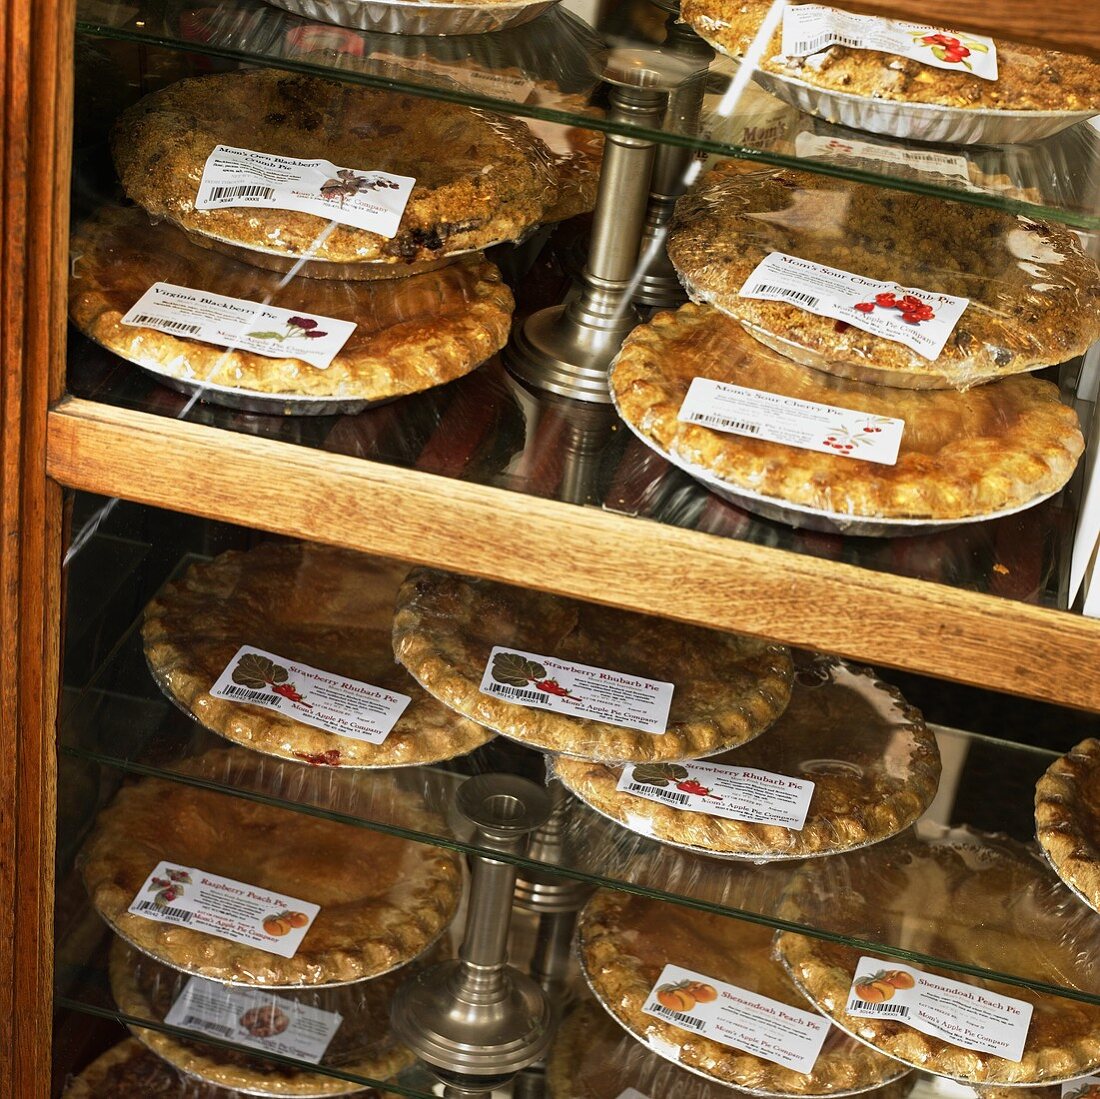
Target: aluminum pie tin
column 406, row 17
column 802, row 517
column 1068, row 884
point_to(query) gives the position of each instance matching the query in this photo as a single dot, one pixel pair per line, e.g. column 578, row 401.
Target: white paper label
column 808, row 28
column 352, row 196
column 577, row 689
column 806, row 424
column 917, row 318
column 631, row 1093
column 189, row 897
column 921, row 160
column 735, row 1017
column 964, row 1014
column 1087, row 1087
column 736, row 793
column 314, row 697
column 236, row 323
column 253, row 1017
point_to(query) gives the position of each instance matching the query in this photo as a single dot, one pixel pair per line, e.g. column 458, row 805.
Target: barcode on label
column 722, row 421
column 180, row 914
column 169, row 326
column 678, row 1017
column 243, row 190
column 196, row 1022
column 808, row 300
column 885, row 1009
column 243, row 694
column 665, row 795
column 515, row 692
column 812, row 45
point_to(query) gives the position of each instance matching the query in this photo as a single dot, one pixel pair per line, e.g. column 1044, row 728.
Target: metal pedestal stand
column 476, row 1020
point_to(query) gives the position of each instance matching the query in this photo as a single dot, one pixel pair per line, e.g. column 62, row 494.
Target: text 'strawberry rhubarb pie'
column 382, row 900
column 626, row 943
column 408, row 335
column 886, row 286
column 983, row 901
column 584, row 680
column 480, row 179
column 873, row 765
column 308, row 604
column 960, row 456
column 1067, row 819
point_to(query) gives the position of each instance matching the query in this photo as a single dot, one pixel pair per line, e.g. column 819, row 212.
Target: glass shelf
column 549, row 69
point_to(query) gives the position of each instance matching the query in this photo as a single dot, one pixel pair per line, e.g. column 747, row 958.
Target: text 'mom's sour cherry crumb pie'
column 480, row 178
column 327, row 608
column 874, row 765
column 410, row 334
column 1033, row 296
column 726, row 688
column 383, row 900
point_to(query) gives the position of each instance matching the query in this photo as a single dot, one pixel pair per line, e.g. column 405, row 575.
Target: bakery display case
column 550, row 550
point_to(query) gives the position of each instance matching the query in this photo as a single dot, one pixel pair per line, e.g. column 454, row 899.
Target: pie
column 328, row 608
column 1067, row 819
column 985, row 901
column 874, row 765
column 384, row 900
column 1034, row 296
column 962, row 455
column 1029, row 78
column 727, row 688
column 625, row 941
column 410, row 334
column 362, row 1045
column 480, row 178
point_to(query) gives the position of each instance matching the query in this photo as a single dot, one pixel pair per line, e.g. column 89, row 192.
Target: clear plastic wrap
column 997, row 907
column 962, row 457
column 410, row 334
column 726, row 688
column 328, row 608
column 366, row 883
column 874, row 765
column 420, row 17
column 1033, row 296
column 1036, row 92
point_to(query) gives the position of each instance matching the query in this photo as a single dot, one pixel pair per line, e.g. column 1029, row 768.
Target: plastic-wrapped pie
column 1067, row 819
column 327, row 608
column 1032, row 296
column 625, row 944
column 984, row 901
column 961, row 456
column 480, row 178
column 584, row 680
column 409, row 335
column 383, row 900
column 874, row 767
column 348, row 1027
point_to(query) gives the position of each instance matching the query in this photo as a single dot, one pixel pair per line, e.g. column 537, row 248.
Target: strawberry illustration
column 553, row 687
column 693, row 786
column 288, row 690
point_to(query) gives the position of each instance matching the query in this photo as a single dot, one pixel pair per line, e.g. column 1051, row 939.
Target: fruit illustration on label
column 514, row 670
column 282, row 923
column 693, row 786
column 297, row 328
column 844, row 441
column 899, row 978
column 166, row 890
column 264, row 1022
column 659, row 774
column 946, row 47
column 256, row 672
column 684, row 995
column 347, row 184
column 876, row 988
column 912, row 309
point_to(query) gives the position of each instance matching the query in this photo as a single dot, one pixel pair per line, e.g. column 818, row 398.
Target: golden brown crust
column 1067, row 819
column 1029, row 78
column 411, row 334
column 1034, row 295
column 874, row 765
column 383, row 900
column 325, row 607
column 625, row 941
column 480, row 178
column 982, row 900
column 962, row 454
column 728, row 688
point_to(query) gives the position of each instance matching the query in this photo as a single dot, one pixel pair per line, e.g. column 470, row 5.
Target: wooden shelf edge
column 584, row 552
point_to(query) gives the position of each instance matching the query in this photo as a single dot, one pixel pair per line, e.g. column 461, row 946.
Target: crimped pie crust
column 480, row 178
column 1029, row 78
column 1067, row 819
column 384, row 900
column 1034, row 295
column 326, row 607
column 983, row 900
column 625, row 941
column 362, row 1045
column 411, row 334
column 962, row 454
column 874, row 765
column 728, row 688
